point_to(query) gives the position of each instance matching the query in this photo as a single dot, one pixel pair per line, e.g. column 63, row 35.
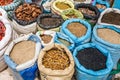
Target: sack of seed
column 109, row 38
column 110, row 16
column 101, row 5
column 55, row 62
column 82, row 1
column 59, row 6
column 92, row 61
column 24, row 18
column 71, row 13
column 49, row 22
column 21, row 56
column 90, row 12
column 65, row 40
column 78, row 30
column 46, row 37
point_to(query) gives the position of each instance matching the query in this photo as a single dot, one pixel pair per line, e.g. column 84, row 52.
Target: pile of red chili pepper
column 2, row 30
column 5, row 2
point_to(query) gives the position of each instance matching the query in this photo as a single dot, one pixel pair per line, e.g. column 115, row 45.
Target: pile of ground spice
column 77, row 29
column 46, row 38
column 109, row 35
column 62, row 5
column 23, row 52
column 111, row 18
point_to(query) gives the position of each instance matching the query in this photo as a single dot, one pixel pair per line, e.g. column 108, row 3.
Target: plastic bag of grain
column 90, row 12
column 110, row 16
column 101, row 5
column 65, row 40
column 49, row 22
column 109, row 38
column 71, row 13
column 24, row 18
column 59, row 6
column 92, row 62
column 78, row 30
column 46, row 37
column 21, row 56
column 82, row 1
column 61, row 67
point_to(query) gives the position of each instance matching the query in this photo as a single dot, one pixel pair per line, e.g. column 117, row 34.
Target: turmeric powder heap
column 62, row 5
column 56, row 59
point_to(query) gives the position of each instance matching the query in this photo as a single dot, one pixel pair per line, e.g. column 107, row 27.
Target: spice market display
column 59, row 39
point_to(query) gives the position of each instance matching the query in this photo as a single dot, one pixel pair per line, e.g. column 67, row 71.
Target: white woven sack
column 107, row 11
column 3, row 12
column 86, row 1
column 47, row 32
column 8, row 33
column 31, row 28
column 30, row 62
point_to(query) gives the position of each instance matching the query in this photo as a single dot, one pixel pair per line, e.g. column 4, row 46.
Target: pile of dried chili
column 5, row 2
column 2, row 30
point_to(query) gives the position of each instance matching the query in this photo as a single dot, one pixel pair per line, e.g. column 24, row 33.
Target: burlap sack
column 49, row 74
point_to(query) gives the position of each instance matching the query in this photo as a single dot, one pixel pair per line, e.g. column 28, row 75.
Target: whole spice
column 100, row 6
column 77, row 29
column 5, row 2
column 92, row 58
column 109, row 35
column 56, row 59
column 87, row 11
column 111, row 18
column 46, row 38
column 23, row 52
column 65, row 42
column 27, row 12
column 2, row 30
column 62, row 5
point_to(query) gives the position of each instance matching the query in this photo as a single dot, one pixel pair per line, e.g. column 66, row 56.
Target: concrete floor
column 4, row 75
